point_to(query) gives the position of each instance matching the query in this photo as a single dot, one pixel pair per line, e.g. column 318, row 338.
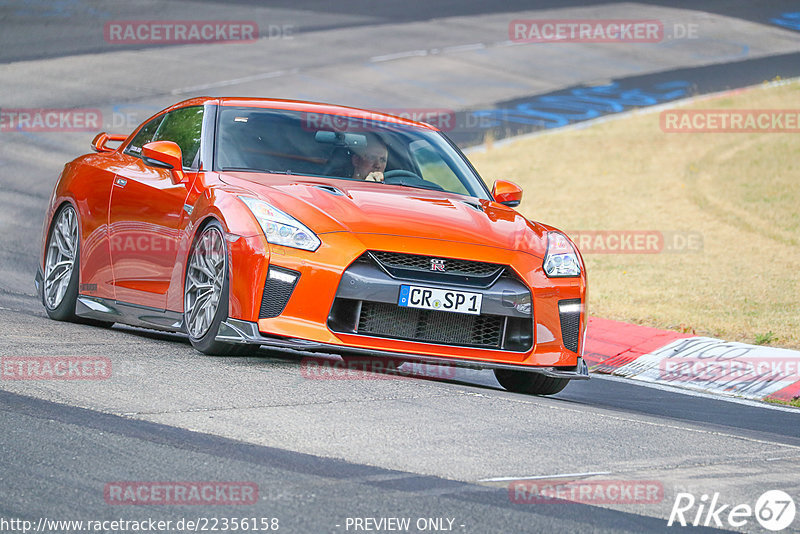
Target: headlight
column 280, row 228
column 561, row 260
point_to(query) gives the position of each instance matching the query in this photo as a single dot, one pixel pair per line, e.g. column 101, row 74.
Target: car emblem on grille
column 437, row 265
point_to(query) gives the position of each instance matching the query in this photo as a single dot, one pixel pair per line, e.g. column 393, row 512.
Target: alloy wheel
column 62, row 252
column 205, row 276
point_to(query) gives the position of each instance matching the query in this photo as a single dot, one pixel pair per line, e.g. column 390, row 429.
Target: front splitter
column 238, row 331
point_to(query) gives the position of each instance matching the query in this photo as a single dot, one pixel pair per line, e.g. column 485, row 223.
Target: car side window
column 435, row 169
column 144, row 136
column 183, row 126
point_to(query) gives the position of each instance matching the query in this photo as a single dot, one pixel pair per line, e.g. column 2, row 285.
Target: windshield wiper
column 429, row 186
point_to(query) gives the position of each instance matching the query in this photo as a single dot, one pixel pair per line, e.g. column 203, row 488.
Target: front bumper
column 238, row 331
column 313, row 310
column 366, row 304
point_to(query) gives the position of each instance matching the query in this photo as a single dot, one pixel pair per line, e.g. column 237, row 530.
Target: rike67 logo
column 774, row 510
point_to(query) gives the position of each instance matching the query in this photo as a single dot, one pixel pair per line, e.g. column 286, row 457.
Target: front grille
column 389, row 320
column 277, row 292
column 414, row 262
column 570, row 324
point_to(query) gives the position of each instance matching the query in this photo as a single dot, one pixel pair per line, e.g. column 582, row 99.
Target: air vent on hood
column 473, row 205
column 330, row 189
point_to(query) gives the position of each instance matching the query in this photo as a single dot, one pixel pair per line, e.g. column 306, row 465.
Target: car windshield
column 337, row 146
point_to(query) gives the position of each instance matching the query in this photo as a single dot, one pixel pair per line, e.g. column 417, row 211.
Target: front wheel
column 205, row 293
column 529, row 383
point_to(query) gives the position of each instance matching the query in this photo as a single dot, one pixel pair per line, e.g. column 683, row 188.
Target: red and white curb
column 698, row 363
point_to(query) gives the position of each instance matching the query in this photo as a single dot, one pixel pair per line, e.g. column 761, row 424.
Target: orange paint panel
column 144, row 232
column 249, row 260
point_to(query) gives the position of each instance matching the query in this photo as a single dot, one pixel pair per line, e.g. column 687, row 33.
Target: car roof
column 300, row 105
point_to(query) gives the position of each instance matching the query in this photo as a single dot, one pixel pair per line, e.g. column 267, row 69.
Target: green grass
column 793, row 402
column 765, row 339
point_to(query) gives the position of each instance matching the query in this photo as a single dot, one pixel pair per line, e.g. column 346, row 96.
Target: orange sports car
column 243, row 221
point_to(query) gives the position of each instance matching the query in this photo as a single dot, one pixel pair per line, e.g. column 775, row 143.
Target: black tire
column 207, row 343
column 529, row 383
column 64, row 310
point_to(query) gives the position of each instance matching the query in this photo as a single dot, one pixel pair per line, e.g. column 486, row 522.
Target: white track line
column 545, row 477
column 399, row 55
column 463, row 48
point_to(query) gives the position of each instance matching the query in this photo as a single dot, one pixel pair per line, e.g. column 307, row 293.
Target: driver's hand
column 374, row 176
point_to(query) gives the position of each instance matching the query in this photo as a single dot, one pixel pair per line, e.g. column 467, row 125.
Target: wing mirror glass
column 165, row 155
column 507, row 193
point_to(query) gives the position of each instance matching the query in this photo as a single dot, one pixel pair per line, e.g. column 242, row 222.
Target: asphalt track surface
column 388, row 445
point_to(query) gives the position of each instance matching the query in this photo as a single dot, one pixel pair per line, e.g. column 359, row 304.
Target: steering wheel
column 410, row 179
column 400, row 173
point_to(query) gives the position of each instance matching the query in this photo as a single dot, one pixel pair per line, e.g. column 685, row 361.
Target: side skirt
column 130, row 314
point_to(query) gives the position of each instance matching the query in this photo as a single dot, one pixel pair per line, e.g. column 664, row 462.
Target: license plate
column 428, row 298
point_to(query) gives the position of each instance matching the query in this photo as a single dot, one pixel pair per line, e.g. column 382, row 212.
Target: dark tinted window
column 144, row 136
column 305, row 143
column 270, row 140
column 183, row 126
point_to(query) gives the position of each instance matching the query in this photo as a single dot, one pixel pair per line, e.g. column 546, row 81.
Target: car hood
column 371, row 208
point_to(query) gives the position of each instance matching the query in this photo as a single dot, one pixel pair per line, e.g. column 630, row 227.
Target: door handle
column 121, row 182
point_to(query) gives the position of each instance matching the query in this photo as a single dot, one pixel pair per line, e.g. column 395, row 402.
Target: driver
column 369, row 161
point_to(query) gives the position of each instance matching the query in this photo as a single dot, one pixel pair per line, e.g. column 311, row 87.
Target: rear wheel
column 529, row 383
column 60, row 284
column 205, row 294
column 62, row 270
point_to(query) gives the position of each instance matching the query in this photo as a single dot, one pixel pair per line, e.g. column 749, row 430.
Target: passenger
column 369, row 162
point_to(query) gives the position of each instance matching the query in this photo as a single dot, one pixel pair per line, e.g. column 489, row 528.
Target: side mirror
column 100, row 140
column 507, row 193
column 165, row 155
